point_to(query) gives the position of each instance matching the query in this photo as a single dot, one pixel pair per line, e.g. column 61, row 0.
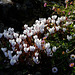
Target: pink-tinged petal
column 66, row 5
column 69, row 13
column 63, row 12
column 45, row 4
column 55, row 9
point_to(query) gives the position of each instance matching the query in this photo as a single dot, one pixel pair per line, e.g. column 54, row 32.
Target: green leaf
column 74, row 67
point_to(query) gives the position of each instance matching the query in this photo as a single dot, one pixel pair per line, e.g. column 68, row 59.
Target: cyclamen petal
column 57, row 28
column 53, row 21
column 12, row 61
column 6, row 54
column 47, row 45
column 58, row 22
column 3, row 49
column 54, row 49
column 32, row 48
column 19, row 52
column 64, row 29
column 1, row 35
column 18, row 40
column 69, row 37
column 36, row 54
column 54, row 17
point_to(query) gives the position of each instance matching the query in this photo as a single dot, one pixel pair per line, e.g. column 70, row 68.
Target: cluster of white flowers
column 18, row 43
column 51, row 30
column 22, row 43
column 8, row 53
column 35, row 59
column 56, row 22
column 37, row 27
column 8, row 33
column 50, row 51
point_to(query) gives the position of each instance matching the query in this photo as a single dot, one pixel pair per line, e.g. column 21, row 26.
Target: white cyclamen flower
column 38, row 43
column 25, row 32
column 25, row 45
column 6, row 54
column 15, row 57
column 41, row 30
column 36, row 54
column 57, row 28
column 54, row 17
column 13, row 48
column 54, row 49
column 11, row 30
column 47, row 45
column 10, row 54
column 12, row 61
column 48, row 50
column 22, row 36
column 74, row 26
column 32, row 48
column 51, row 30
column 29, row 34
column 35, row 37
column 6, row 35
column 35, row 59
column 3, row 49
column 62, row 18
column 19, row 52
column 58, row 22
column 25, row 26
column 67, row 23
column 49, row 19
column 54, row 69
column 15, row 35
column 20, row 46
column 69, row 37
column 26, row 50
column 13, row 43
column 53, row 21
column 18, row 40
column 10, row 36
column 37, row 21
column 64, row 29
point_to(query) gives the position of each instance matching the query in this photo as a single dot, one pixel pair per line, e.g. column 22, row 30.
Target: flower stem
column 71, row 51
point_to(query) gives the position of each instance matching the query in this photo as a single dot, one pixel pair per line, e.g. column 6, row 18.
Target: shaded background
column 21, row 12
